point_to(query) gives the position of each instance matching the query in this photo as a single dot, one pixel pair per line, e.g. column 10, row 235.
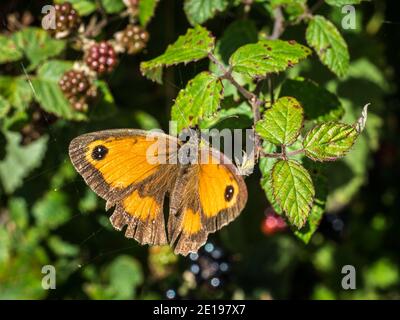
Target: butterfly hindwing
column 222, row 191
column 206, row 197
column 186, row 230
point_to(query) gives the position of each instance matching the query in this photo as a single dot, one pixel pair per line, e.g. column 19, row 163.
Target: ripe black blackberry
column 67, row 18
column 133, row 39
column 101, row 57
column 77, row 88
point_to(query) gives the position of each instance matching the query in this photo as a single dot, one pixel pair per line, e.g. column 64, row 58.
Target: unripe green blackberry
column 133, row 39
column 67, row 18
column 101, row 57
column 77, row 88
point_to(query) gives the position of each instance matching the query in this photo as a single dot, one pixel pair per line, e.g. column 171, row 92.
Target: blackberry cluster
column 67, row 18
column 272, row 223
column 101, row 57
column 77, row 88
column 133, row 39
column 210, row 266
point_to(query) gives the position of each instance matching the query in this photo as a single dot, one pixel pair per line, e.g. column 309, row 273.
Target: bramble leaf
column 318, row 209
column 194, row 45
column 199, row 11
column 319, row 104
column 20, row 160
column 266, row 164
column 146, row 11
column 125, row 275
column 200, row 99
column 293, row 190
column 9, row 51
column 267, row 56
column 329, row 141
column 48, row 93
column 16, row 90
column 329, row 45
column 282, row 122
column 113, row 6
column 52, row 210
column 37, row 45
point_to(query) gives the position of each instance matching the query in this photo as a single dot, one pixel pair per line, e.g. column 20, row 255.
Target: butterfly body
column 203, row 196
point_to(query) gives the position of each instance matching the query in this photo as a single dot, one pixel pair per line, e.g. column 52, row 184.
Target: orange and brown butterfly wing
column 185, row 226
column 206, row 197
column 114, row 164
column 222, row 192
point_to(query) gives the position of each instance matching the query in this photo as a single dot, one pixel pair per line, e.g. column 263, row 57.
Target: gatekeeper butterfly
column 203, row 195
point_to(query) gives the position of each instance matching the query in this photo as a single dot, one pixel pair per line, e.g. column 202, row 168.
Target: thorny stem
column 281, row 155
column 252, row 98
column 279, row 24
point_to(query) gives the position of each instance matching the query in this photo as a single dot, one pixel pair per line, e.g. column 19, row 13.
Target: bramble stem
column 279, row 24
column 252, row 98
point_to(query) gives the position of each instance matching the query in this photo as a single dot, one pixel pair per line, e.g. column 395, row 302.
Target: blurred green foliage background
column 49, row 216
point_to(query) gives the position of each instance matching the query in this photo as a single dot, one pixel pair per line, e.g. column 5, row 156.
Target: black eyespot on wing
column 99, row 152
column 229, row 191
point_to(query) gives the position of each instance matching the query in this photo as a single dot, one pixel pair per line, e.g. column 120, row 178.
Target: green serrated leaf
column 9, row 51
column 5, row 106
column 37, row 45
column 320, row 105
column 17, row 91
column 199, row 100
column 146, row 11
column 84, row 7
column 340, row 3
column 20, row 160
column 52, row 210
column 113, row 6
column 293, row 190
column 266, row 164
column 199, row 11
column 267, row 56
column 48, row 93
column 281, row 124
column 329, row 141
column 329, row 45
column 192, row 46
column 318, row 209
